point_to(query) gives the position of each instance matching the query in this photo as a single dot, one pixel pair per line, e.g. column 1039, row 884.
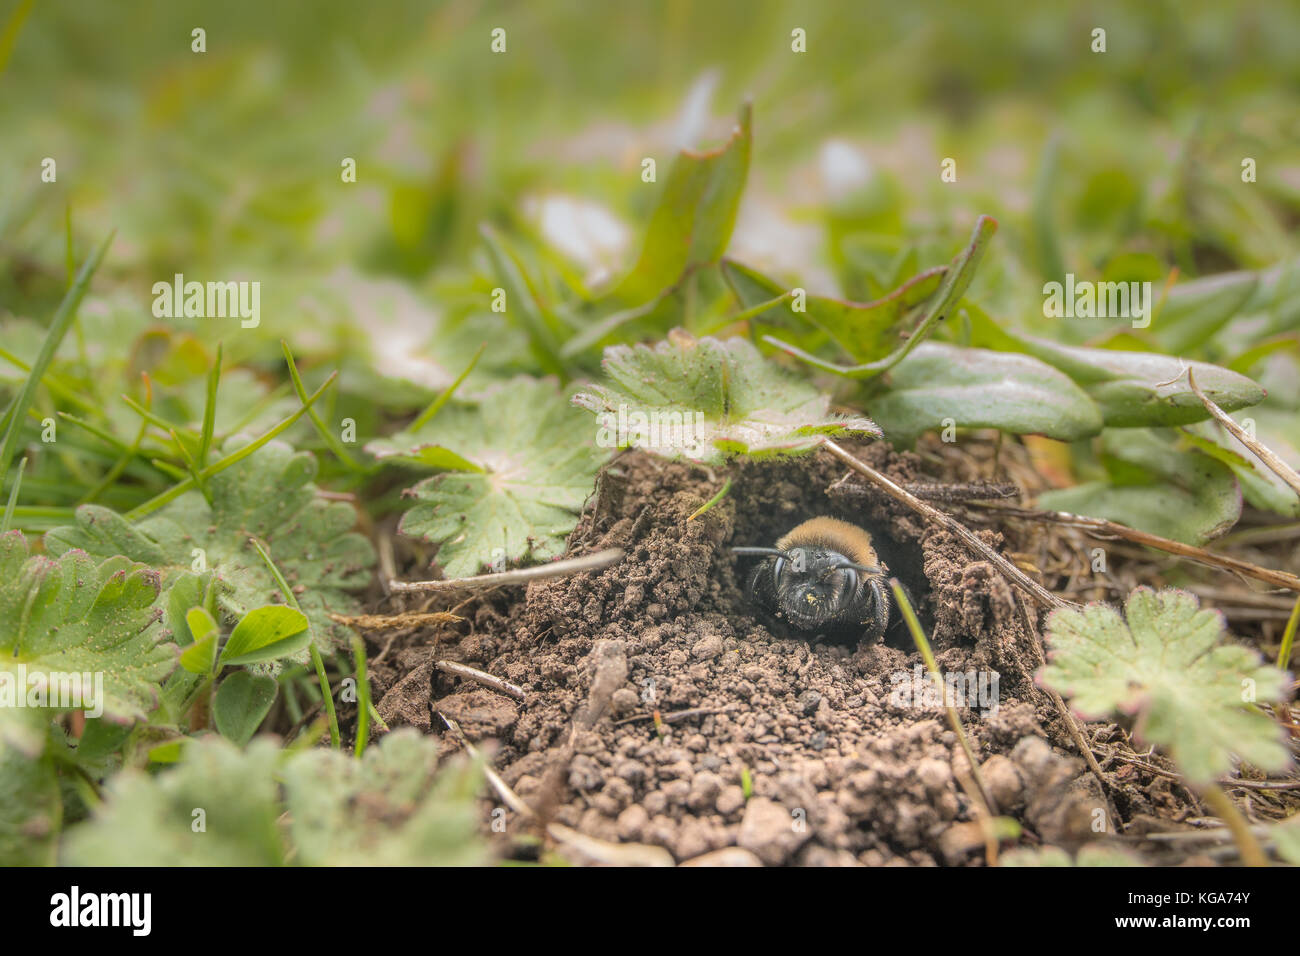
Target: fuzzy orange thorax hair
column 848, row 539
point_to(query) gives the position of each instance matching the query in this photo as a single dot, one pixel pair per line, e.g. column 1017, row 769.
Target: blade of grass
column 1288, row 637
column 13, row 497
column 708, row 505
column 192, row 463
column 979, row 794
column 524, row 302
column 330, row 438
column 63, row 318
column 317, row 661
column 210, row 411
column 363, row 695
column 53, row 383
column 435, row 406
column 155, row 420
column 171, row 494
column 9, row 36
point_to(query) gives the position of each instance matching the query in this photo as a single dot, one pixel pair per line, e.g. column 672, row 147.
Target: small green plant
column 1165, row 664
column 706, row 399
column 262, row 806
column 515, row 470
column 268, row 495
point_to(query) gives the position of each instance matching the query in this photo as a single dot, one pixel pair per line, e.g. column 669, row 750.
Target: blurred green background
column 226, row 164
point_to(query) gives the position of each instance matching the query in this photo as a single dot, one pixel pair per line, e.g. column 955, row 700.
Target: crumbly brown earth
column 663, row 708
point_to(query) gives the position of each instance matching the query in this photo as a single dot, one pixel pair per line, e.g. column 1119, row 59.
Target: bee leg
column 879, row 608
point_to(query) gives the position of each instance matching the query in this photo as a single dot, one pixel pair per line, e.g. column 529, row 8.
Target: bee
column 823, row 576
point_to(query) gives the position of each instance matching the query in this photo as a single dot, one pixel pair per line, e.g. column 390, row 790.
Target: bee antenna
column 753, row 551
column 864, row 568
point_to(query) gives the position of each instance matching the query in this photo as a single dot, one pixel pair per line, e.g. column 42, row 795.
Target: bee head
column 822, row 577
column 814, row 587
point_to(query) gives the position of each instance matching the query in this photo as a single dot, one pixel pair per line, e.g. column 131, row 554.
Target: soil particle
column 771, row 832
column 1063, row 803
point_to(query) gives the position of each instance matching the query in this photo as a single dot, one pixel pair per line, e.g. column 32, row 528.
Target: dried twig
column 1067, row 716
column 380, row 622
column 1262, row 451
column 1101, row 528
column 930, row 490
column 487, row 680
column 587, row 562
column 674, row 716
column 971, row 540
column 507, row 795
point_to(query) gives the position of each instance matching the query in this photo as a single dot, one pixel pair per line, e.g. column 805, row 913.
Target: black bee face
column 820, row 590
column 812, row 587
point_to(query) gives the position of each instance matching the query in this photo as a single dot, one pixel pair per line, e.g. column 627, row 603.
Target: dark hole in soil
column 770, row 498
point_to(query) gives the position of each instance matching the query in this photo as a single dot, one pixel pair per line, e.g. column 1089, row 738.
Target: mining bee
column 823, row 576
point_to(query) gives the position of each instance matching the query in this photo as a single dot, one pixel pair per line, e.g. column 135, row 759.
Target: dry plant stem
column 1221, row 803
column 978, row 794
column 487, row 680
column 1262, row 451
column 972, row 541
column 932, row 491
column 675, row 716
column 508, row 796
column 1100, row 527
column 1071, row 725
column 587, row 562
column 380, row 622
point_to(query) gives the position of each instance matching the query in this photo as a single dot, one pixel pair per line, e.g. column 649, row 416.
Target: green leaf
column 241, row 704
column 1260, row 486
column 69, row 623
column 268, row 495
column 1132, row 389
column 879, row 335
column 394, row 807
column 1287, row 837
column 705, row 399
column 200, row 656
column 1167, row 665
column 1158, row 487
column 266, row 633
column 692, row 222
column 1194, row 311
column 31, row 808
column 832, row 327
column 217, row 806
column 977, row 388
column 528, row 461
